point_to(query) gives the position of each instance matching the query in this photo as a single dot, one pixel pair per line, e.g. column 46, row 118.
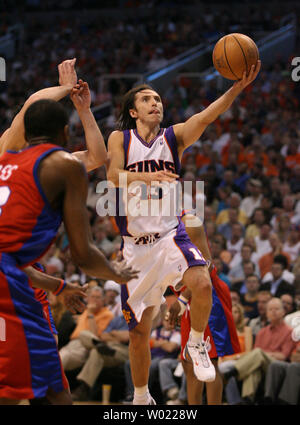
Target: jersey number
column 4, row 195
column 197, row 254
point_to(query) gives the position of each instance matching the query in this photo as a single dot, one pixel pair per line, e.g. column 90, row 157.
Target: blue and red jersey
column 29, row 359
column 28, row 224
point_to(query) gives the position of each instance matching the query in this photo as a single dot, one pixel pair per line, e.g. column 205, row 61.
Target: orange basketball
column 234, row 54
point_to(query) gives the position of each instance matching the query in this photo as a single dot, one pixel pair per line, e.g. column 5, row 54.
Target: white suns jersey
column 148, row 210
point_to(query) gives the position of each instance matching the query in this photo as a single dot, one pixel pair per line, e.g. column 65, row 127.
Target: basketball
column 234, row 54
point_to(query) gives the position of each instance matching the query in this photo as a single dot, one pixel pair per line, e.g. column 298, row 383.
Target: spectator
column 234, row 244
column 112, row 300
column 282, row 385
column 292, row 317
column 219, row 266
column 234, row 201
column 257, row 220
column 109, row 350
column 265, row 262
column 94, row 319
column 63, row 320
column 253, row 201
column 246, row 343
column 256, row 324
column 292, row 244
column 236, row 273
column 288, row 303
column 262, row 241
column 279, row 280
column 168, row 384
column 273, row 342
column 227, row 228
column 249, row 299
column 235, row 296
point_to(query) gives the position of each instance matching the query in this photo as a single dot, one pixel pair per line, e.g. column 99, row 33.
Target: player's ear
column 133, row 113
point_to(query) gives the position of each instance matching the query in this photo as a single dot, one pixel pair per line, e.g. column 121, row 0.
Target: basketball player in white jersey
column 159, row 246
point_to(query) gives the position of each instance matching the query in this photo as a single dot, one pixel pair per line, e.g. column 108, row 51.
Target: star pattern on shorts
column 127, row 315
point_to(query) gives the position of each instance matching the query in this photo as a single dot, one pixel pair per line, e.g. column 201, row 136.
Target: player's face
column 148, row 107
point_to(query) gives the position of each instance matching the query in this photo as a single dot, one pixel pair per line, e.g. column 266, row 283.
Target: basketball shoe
column 197, row 354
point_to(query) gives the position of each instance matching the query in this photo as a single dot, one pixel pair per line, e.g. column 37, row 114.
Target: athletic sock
column 141, row 395
column 195, row 336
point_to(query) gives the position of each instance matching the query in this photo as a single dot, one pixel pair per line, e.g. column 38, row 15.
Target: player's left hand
column 67, row 73
column 246, row 80
column 81, row 95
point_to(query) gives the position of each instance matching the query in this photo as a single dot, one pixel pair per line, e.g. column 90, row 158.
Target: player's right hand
column 163, row 176
column 123, row 272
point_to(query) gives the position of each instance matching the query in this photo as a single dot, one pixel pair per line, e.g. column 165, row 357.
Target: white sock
column 141, row 392
column 195, row 336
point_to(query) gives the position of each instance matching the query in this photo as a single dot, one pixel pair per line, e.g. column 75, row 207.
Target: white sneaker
column 197, row 353
column 149, row 400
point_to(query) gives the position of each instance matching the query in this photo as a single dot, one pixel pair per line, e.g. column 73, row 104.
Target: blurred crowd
column 249, row 158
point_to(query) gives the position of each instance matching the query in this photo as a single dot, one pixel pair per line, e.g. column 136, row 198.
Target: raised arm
column 116, row 165
column 14, row 138
column 189, row 132
column 63, row 176
column 96, row 154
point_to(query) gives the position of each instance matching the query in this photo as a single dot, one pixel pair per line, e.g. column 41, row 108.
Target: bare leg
column 194, row 386
column 197, row 279
column 8, row 401
column 62, row 398
column 139, row 349
column 214, row 390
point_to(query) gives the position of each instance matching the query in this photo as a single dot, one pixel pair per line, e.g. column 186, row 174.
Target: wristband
column 183, row 304
column 60, row 288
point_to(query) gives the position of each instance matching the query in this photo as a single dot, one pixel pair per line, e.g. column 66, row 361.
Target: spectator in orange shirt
column 91, row 322
column 266, row 261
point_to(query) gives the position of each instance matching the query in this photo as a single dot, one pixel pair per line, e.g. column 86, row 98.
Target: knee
column 138, row 338
column 201, row 285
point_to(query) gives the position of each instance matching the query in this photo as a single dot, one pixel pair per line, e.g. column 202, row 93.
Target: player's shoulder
column 116, row 138
column 63, row 162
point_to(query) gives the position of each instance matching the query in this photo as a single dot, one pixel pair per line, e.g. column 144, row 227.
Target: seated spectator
column 246, row 343
column 235, row 296
column 248, row 270
column 262, row 241
column 63, row 320
column 282, row 384
column 165, row 343
column 292, row 244
column 273, row 342
column 253, row 201
column 258, row 218
column 94, row 319
column 234, row 201
column 288, row 303
column 112, row 300
column 291, row 318
column 236, row 273
column 249, row 298
column 168, row 384
column 234, row 244
column 219, row 266
column 226, row 229
column 109, row 350
column 265, row 262
column 279, row 280
column 256, row 324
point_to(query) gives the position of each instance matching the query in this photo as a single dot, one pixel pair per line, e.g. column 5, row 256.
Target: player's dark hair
column 45, row 118
column 125, row 121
